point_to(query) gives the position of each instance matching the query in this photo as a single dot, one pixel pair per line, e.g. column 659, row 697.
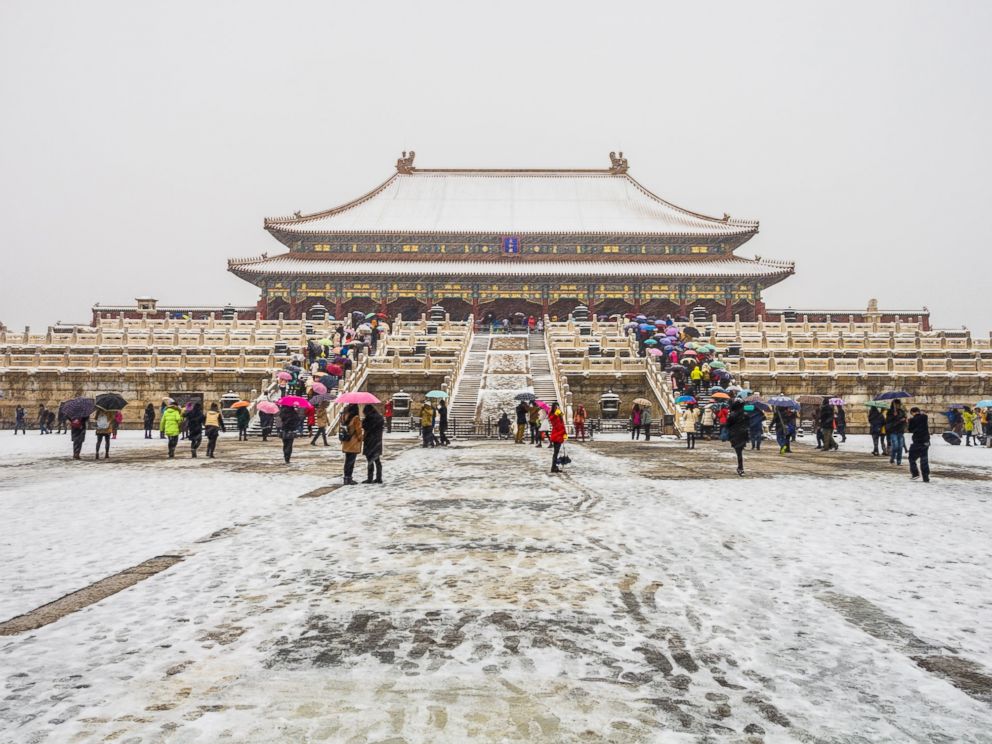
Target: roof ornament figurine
column 405, row 163
column 618, row 163
column 298, row 213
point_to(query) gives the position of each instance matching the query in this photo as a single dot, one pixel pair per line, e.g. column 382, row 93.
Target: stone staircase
column 465, row 399
column 540, row 369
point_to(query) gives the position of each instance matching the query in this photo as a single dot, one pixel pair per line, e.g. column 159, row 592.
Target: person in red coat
column 558, row 435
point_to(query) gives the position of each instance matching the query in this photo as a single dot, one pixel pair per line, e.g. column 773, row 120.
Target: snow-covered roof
column 289, row 263
column 511, row 202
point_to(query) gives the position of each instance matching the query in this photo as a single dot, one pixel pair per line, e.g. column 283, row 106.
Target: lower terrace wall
column 30, row 388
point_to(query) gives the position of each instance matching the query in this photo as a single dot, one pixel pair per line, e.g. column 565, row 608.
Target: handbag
column 344, row 434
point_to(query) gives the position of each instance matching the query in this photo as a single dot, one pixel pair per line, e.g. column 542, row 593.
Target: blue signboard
column 511, row 245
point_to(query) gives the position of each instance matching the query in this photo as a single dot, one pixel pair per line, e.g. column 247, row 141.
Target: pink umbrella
column 294, row 400
column 359, row 396
column 284, row 376
column 690, row 352
column 541, row 404
column 319, row 388
column 655, row 352
column 267, row 406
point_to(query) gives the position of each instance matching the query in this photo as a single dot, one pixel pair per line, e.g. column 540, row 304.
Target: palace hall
column 495, row 242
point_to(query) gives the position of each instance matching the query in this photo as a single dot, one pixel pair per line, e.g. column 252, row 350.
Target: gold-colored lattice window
column 700, row 249
column 611, row 249
column 411, row 248
column 322, row 247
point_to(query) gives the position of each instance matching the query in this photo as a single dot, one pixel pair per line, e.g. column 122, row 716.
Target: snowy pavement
column 476, row 597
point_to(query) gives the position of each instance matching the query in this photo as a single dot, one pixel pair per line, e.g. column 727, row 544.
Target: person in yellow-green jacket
column 968, row 417
column 169, row 425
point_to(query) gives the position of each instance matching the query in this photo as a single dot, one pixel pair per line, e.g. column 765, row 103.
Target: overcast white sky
column 141, row 144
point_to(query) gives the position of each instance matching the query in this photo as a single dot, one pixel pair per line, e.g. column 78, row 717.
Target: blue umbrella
column 893, row 395
column 984, row 404
column 783, row 401
column 646, row 327
column 685, row 399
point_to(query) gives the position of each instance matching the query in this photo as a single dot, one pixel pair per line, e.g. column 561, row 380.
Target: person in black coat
column 373, row 424
column 826, row 421
column 194, row 427
column 290, row 420
column 442, row 414
column 266, row 420
column 149, row 420
column 919, row 448
column 841, row 423
column 737, row 428
column 876, row 422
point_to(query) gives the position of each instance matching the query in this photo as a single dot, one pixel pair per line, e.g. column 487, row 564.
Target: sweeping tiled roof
column 510, row 202
column 295, row 263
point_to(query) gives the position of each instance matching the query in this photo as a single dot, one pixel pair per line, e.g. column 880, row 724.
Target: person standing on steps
column 289, row 420
column 690, row 418
column 521, row 411
column 351, row 434
column 442, row 416
column 372, row 428
column 104, row 428
column 149, row 420
column 321, row 421
column 737, row 430
column 77, row 434
column 242, row 418
column 214, row 426
column 557, row 435
column 919, row 448
column 169, row 425
column 194, row 428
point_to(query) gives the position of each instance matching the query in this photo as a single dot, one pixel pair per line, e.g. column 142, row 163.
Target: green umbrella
column 650, row 342
column 718, row 365
column 878, row 404
column 436, row 394
column 325, row 342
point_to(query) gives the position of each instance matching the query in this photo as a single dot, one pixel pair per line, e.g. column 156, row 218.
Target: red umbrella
column 334, row 369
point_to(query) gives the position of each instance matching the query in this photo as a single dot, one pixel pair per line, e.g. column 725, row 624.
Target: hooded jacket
column 171, row 419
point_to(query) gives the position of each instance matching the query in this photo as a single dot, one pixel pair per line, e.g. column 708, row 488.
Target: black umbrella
column 691, row 332
column 78, row 407
column 525, row 396
column 110, row 402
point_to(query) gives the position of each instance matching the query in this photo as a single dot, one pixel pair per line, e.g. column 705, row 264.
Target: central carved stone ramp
column 465, row 400
column 540, row 368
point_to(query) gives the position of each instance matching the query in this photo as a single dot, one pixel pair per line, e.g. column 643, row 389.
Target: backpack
column 76, row 424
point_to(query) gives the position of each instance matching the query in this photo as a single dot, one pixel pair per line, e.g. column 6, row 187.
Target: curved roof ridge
column 725, row 220
column 298, row 218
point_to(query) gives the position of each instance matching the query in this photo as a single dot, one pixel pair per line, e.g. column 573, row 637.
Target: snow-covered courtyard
column 648, row 594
